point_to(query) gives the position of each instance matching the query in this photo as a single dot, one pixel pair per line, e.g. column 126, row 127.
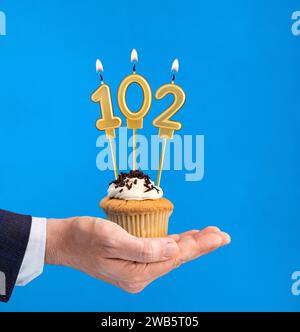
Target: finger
column 177, row 237
column 226, row 238
column 199, row 244
column 209, row 229
column 190, row 247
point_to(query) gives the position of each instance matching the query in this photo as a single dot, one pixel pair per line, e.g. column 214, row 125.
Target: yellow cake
column 137, row 205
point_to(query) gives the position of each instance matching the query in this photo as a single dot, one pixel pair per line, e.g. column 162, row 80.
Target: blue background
column 240, row 69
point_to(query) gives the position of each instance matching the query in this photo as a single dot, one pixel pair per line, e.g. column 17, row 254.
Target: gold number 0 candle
column 134, row 119
column 108, row 122
column 163, row 122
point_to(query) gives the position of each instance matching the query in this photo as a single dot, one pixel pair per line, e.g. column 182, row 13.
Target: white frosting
column 138, row 191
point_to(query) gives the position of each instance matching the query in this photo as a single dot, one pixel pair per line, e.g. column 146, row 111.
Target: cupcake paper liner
column 154, row 224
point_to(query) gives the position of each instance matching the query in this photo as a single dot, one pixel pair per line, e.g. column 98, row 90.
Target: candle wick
column 101, row 78
column 173, row 78
column 134, row 67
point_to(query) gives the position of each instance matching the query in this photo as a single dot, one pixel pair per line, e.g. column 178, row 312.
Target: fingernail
column 226, row 238
column 171, row 249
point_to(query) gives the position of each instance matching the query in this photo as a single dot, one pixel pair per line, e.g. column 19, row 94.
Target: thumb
column 145, row 250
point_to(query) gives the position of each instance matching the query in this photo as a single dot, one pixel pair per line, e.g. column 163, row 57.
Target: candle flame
column 134, row 56
column 175, row 66
column 99, row 66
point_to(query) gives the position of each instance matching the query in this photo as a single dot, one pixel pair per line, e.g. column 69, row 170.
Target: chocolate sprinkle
column 156, row 189
column 123, row 180
column 129, row 186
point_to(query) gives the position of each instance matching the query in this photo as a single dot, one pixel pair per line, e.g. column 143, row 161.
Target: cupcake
column 137, row 205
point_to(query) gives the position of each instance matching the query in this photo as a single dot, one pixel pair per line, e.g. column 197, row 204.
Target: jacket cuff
column 14, row 236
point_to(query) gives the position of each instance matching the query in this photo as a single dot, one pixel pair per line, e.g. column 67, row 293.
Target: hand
column 106, row 251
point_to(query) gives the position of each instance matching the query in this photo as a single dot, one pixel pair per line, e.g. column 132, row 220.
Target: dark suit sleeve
column 14, row 237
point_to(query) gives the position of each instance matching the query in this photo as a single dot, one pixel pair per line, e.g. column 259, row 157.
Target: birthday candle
column 134, row 120
column 108, row 122
column 163, row 122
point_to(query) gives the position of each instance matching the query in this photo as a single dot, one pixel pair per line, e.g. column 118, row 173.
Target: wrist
column 57, row 230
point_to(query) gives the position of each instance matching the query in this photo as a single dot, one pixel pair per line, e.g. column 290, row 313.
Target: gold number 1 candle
column 163, row 122
column 134, row 119
column 108, row 122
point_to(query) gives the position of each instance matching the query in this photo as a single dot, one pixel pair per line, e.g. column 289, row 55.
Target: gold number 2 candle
column 163, row 122
column 108, row 122
column 134, row 119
